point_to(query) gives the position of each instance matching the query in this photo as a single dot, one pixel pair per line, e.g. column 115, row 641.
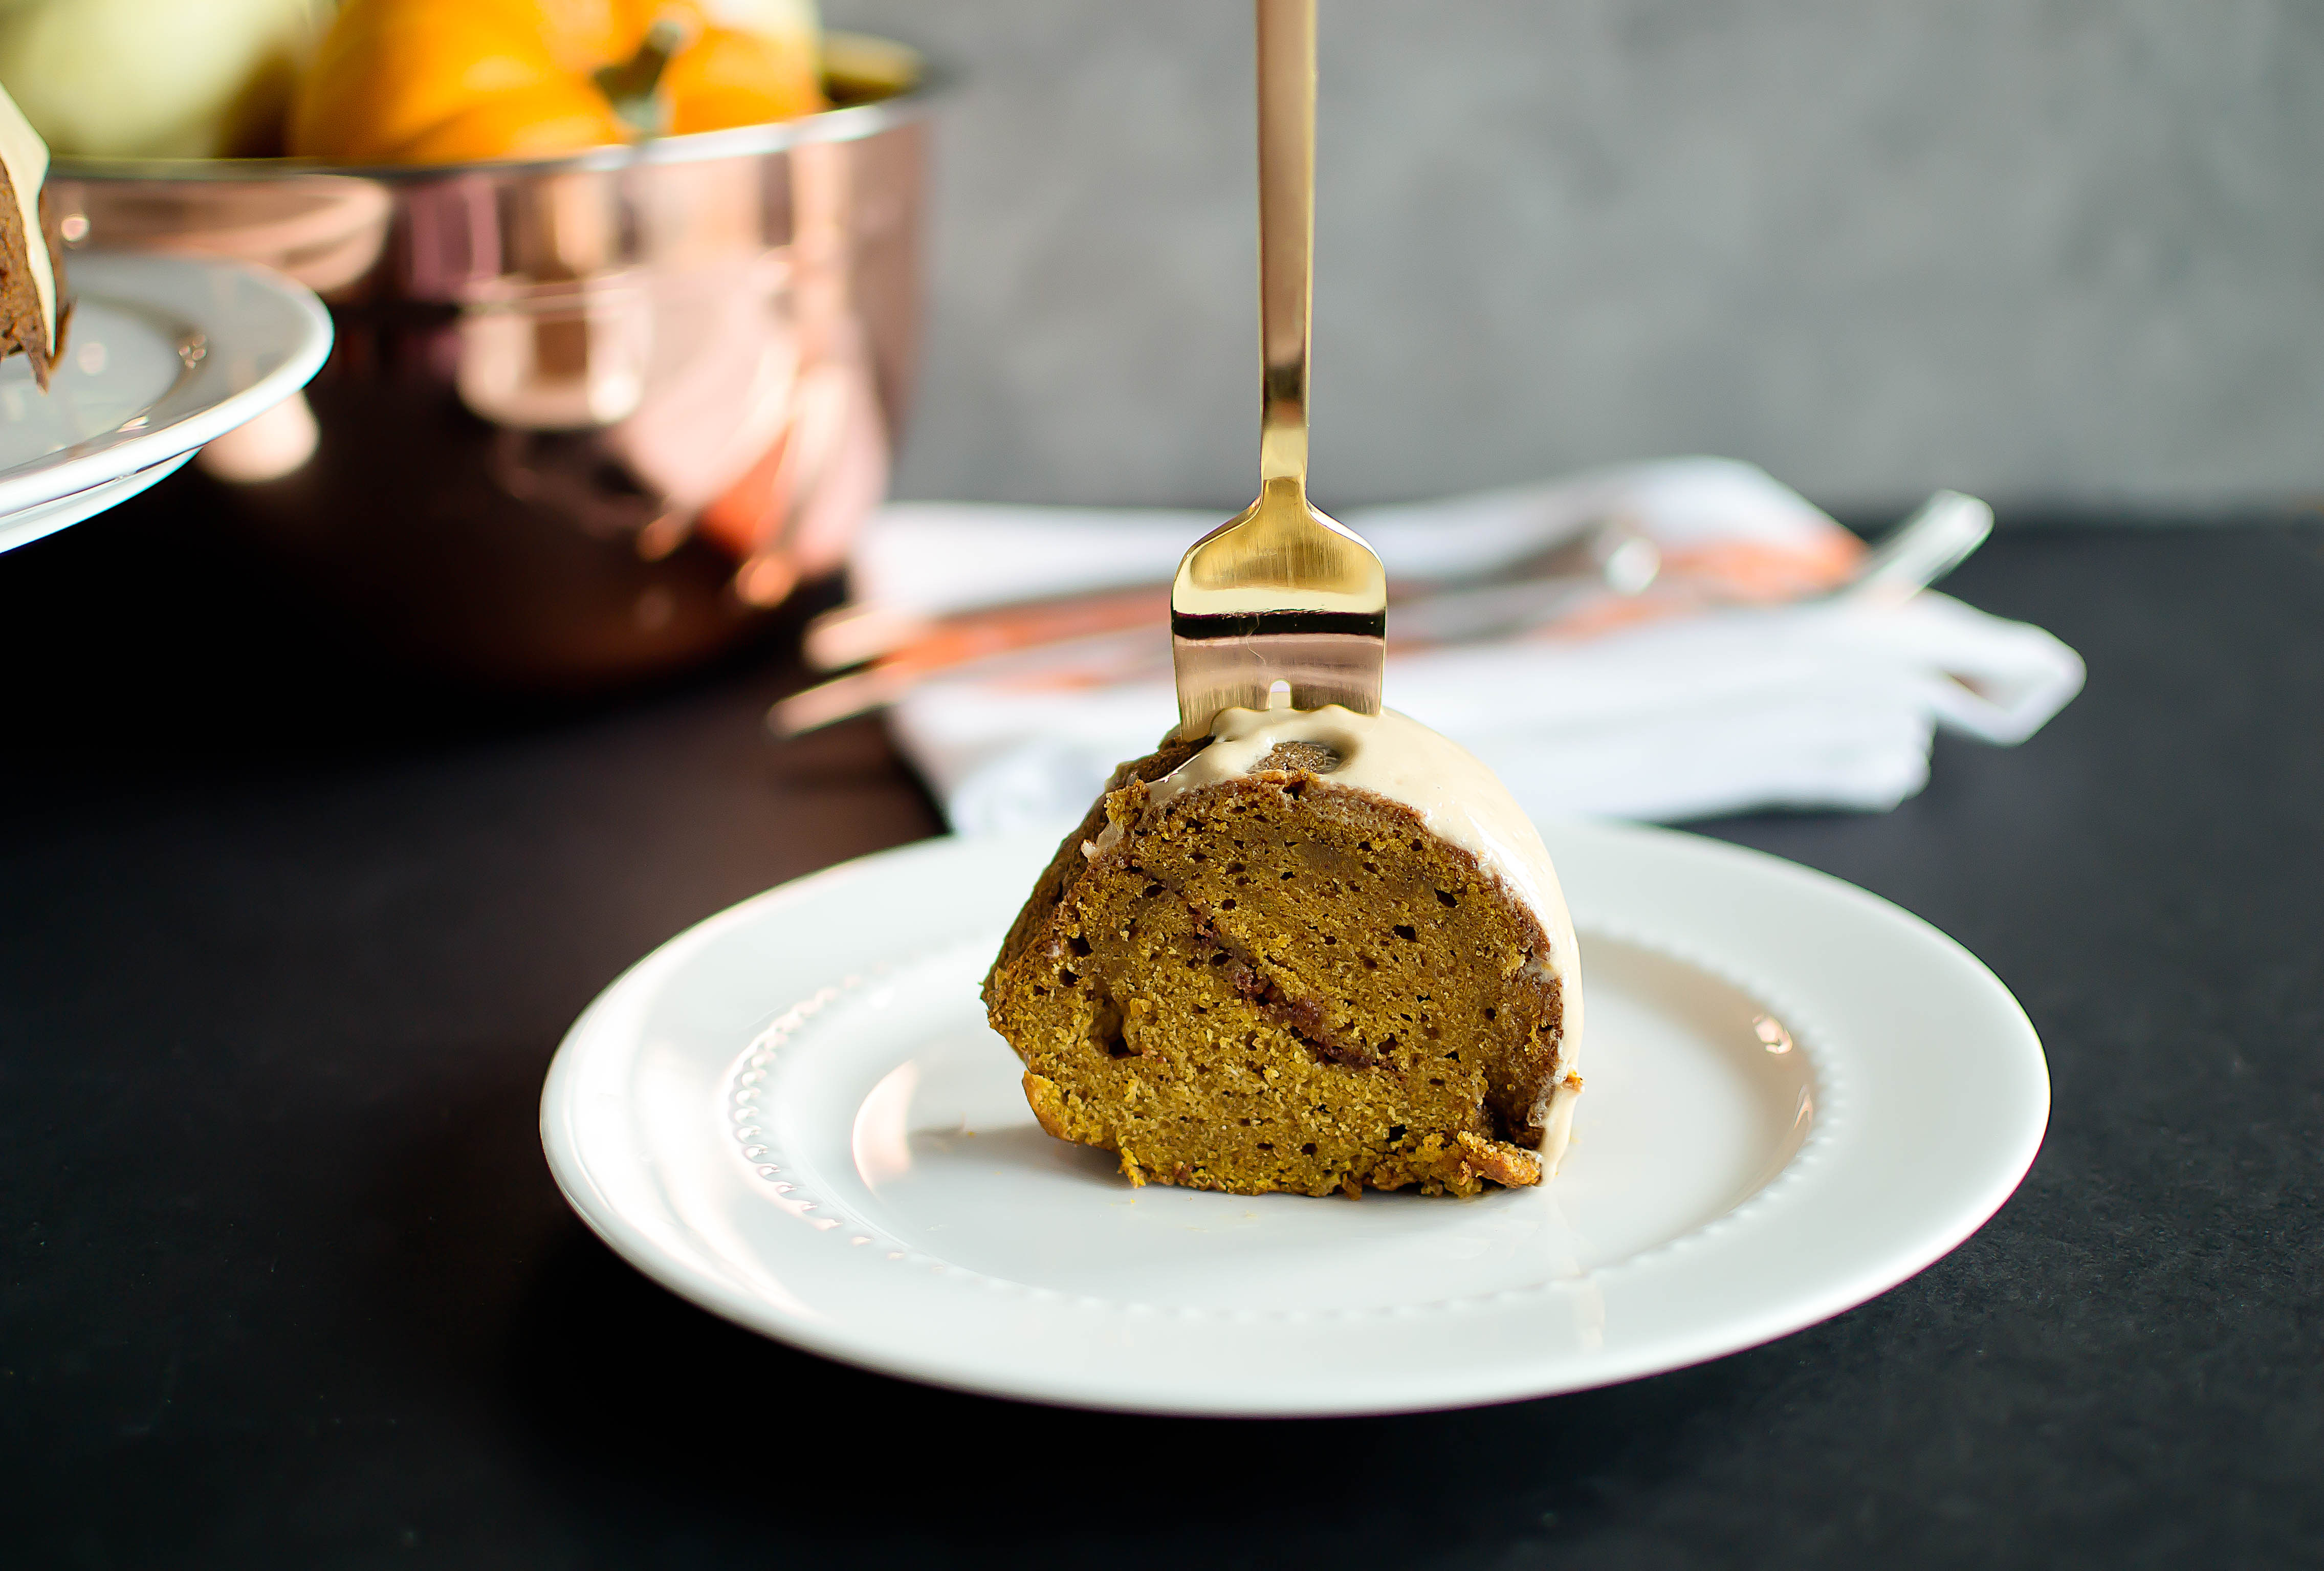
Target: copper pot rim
column 931, row 82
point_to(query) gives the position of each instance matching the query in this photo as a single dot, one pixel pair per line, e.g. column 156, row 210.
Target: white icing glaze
column 26, row 157
column 1460, row 799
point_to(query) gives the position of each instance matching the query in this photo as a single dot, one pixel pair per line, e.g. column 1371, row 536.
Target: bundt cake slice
column 28, row 262
column 1316, row 950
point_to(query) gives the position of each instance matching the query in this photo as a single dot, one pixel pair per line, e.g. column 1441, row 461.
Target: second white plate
column 795, row 1115
column 163, row 355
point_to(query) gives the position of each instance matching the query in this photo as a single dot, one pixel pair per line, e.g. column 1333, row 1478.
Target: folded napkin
column 1717, row 689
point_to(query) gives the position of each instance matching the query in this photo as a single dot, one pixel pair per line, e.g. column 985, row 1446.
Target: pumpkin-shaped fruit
column 448, row 81
column 729, row 77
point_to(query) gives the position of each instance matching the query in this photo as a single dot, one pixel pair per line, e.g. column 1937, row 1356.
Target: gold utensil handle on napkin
column 1613, row 559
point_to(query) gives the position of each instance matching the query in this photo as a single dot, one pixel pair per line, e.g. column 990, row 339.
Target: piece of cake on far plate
column 28, row 273
column 1312, row 951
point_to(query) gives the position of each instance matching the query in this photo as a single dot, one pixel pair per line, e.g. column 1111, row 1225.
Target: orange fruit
column 451, row 81
column 727, row 78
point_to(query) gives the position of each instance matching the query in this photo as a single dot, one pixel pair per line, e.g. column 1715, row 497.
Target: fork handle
column 1287, row 232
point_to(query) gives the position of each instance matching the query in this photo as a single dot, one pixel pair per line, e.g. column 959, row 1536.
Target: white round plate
column 795, row 1115
column 163, row 354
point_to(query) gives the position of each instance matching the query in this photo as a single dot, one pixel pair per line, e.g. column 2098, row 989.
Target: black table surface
column 289, row 943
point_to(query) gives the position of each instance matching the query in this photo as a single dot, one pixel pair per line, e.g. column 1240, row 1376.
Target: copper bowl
column 587, row 419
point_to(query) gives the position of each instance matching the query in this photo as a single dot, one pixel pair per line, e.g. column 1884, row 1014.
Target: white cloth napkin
column 1819, row 703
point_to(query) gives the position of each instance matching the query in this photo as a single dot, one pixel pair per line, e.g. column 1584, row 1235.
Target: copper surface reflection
column 668, row 375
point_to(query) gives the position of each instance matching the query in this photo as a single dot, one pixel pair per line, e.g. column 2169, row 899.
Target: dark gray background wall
column 2052, row 251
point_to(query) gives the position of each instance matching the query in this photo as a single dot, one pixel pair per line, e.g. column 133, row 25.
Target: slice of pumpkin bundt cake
column 1314, row 950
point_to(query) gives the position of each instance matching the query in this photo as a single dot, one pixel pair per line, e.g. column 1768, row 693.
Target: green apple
column 156, row 78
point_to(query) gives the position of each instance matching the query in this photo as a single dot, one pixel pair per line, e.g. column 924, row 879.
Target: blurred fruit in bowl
column 134, row 78
column 589, row 417
column 760, row 65
column 450, row 81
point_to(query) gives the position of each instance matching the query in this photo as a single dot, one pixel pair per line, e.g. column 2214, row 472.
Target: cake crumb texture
column 1277, row 983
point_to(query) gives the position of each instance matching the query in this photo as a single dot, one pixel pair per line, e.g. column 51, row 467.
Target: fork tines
column 1240, row 661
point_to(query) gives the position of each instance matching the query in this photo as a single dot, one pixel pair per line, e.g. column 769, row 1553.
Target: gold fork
column 1280, row 596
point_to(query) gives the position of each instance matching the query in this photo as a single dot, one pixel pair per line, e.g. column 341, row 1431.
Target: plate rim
column 1971, row 1206
column 42, row 519
column 99, row 275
